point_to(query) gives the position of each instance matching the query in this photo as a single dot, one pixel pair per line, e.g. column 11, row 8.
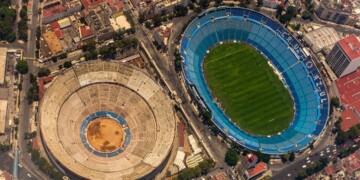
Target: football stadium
column 295, row 71
column 107, row 120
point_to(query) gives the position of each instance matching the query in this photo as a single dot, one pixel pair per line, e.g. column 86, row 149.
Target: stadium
column 300, row 75
column 107, row 120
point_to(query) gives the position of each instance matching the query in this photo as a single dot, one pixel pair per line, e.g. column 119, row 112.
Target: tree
column 67, row 64
column 180, row 10
column 260, row 3
column 353, row 132
column 218, row 2
column 204, row 3
column 35, row 155
column 279, row 10
column 302, row 174
column 33, row 78
column 43, row 72
column 335, row 101
column 16, row 121
column 157, row 20
column 90, row 46
column 291, row 157
column 141, row 18
column 231, row 157
column 22, row 67
column 285, row 158
column 147, row 24
column 341, row 138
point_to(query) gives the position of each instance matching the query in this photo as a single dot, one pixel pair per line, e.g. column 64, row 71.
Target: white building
column 344, row 58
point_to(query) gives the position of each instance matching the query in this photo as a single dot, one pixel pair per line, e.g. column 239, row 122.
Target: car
column 289, row 175
column 29, row 175
column 327, row 148
column 312, row 154
column 304, row 166
column 308, row 162
column 334, row 150
column 321, row 154
column 328, row 151
column 307, row 158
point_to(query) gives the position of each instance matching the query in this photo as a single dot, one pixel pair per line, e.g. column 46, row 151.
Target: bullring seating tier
column 107, row 86
column 219, row 25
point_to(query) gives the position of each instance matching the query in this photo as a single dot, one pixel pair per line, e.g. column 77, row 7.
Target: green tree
column 260, row 3
column 16, row 121
column 157, row 20
column 291, row 157
column 43, row 72
column 279, row 10
column 22, row 67
column 35, row 155
column 67, row 64
column 231, row 157
column 180, row 10
column 335, row 101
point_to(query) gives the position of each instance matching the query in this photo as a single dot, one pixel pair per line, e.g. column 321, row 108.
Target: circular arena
column 283, row 51
column 107, row 120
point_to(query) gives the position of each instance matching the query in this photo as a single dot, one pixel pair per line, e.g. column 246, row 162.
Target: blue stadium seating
column 284, row 52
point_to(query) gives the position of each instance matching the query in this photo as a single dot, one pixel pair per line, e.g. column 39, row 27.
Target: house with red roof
column 351, row 163
column 348, row 91
column 256, row 171
column 344, row 58
column 86, row 33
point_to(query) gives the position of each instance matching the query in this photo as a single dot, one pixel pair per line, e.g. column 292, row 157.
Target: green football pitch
column 247, row 89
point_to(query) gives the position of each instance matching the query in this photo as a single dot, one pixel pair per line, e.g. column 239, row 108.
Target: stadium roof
column 349, row 92
column 3, row 52
column 351, row 46
column 321, row 38
column 3, row 108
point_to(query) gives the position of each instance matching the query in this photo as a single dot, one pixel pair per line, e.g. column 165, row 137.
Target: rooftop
column 259, row 168
column 351, row 46
column 53, row 10
column 3, row 109
column 85, row 31
column 3, row 52
column 351, row 163
column 349, row 92
column 321, row 38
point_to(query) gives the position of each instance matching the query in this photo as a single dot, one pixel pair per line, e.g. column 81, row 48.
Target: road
column 291, row 169
column 6, row 164
column 25, row 108
column 214, row 145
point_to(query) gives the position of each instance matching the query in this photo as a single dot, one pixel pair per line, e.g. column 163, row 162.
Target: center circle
column 105, row 134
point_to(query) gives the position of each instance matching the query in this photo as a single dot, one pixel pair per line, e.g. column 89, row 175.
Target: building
column 162, row 34
column 167, row 6
column 59, row 9
column 344, row 57
column 111, row 6
column 256, row 171
column 53, row 42
column 271, row 3
column 86, row 33
column 3, row 112
column 3, row 52
column 99, row 21
column 348, row 89
column 337, row 12
column 351, row 163
column 323, row 37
